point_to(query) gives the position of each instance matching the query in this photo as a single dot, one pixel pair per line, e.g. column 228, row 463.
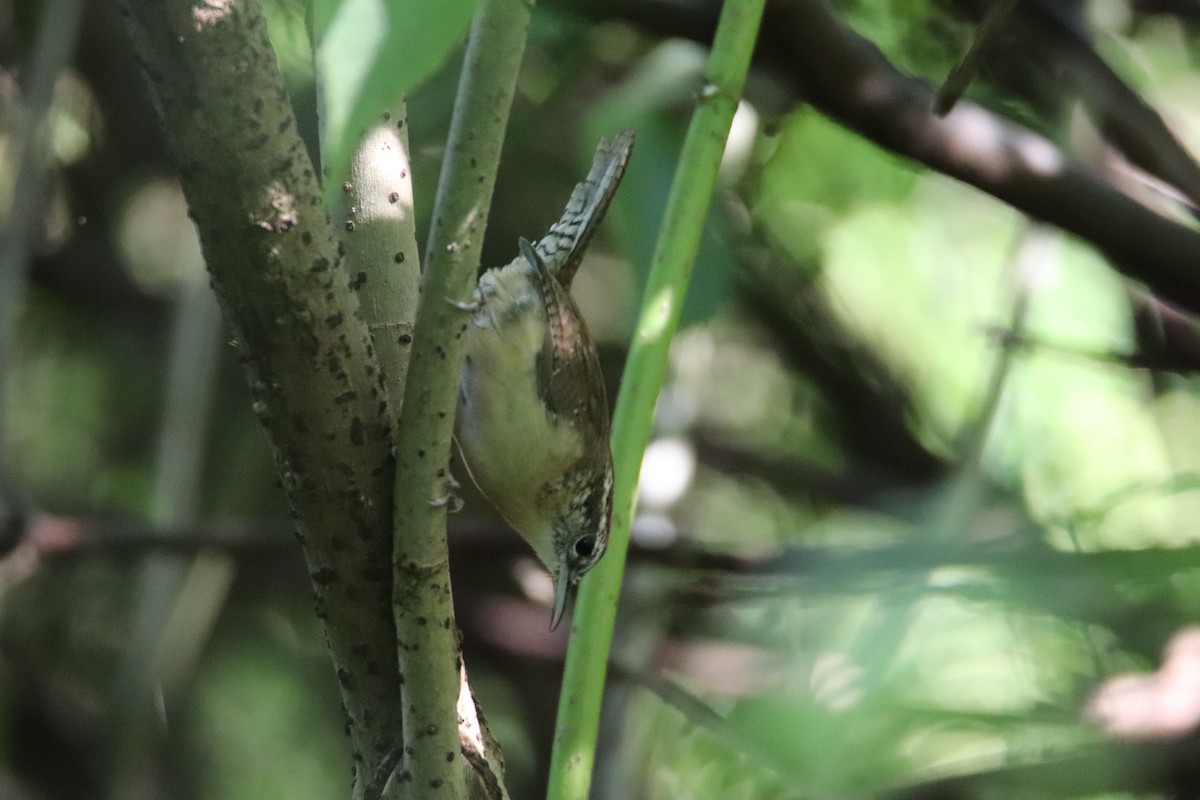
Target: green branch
column 427, row 635
column 308, row 355
column 373, row 215
column 675, row 252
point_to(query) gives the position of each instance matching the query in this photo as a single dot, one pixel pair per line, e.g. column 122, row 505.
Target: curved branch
column 846, row 76
column 274, row 263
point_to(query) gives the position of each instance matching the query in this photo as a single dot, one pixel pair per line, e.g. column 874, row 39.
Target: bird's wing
column 569, row 379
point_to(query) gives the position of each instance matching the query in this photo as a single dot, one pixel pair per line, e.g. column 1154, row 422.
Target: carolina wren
column 532, row 414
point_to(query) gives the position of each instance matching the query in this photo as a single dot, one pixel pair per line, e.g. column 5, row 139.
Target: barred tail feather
column 563, row 246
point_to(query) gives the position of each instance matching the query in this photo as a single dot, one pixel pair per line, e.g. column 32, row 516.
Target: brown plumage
column 533, row 421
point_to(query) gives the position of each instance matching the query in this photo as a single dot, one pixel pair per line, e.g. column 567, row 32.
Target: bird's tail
column 563, row 246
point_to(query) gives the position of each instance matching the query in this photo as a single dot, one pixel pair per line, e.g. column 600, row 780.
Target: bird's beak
column 562, row 593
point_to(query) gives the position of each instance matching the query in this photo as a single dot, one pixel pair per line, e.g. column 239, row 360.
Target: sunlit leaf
column 371, row 52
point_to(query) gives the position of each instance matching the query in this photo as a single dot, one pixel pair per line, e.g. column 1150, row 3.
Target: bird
column 532, row 420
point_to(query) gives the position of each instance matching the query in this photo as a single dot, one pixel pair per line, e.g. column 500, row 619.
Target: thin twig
column 426, row 632
column 182, row 444
column 960, row 77
column 27, row 147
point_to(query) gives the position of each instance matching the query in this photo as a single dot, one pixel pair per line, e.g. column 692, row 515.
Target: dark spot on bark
column 421, row 453
column 324, row 576
column 404, row 338
column 399, row 258
column 346, row 396
column 422, row 620
column 436, row 783
column 334, row 320
column 375, row 573
column 318, row 265
column 393, row 197
column 449, row 756
column 349, row 224
column 358, row 281
column 356, row 432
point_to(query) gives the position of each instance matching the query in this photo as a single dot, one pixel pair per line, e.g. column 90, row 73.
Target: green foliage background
column 948, row 621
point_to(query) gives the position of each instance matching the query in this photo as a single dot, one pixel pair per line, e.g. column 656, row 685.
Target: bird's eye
column 585, row 546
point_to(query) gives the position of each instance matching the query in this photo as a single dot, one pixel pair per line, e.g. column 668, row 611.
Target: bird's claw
column 450, row 497
column 471, row 306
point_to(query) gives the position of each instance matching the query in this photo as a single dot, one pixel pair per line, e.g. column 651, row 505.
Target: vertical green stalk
column 426, row 634
column 670, row 270
column 23, row 177
column 373, row 214
column 182, row 443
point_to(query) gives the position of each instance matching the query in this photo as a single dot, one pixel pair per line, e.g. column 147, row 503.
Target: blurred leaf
column 265, row 715
column 369, row 53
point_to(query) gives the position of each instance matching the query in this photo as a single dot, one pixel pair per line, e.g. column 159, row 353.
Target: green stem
column 373, row 215
column 427, row 636
column 674, row 255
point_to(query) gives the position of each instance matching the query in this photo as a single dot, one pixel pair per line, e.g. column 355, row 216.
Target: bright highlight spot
column 654, row 321
column 667, row 471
